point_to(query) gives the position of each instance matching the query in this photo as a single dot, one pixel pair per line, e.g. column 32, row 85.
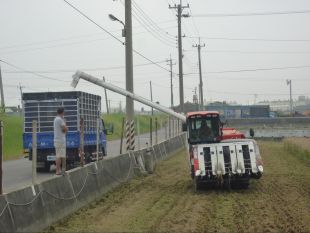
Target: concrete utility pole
column 180, row 8
column 171, row 76
column 289, row 82
column 129, row 59
column 2, row 93
column 129, row 68
column 106, row 98
column 199, row 46
column 151, row 92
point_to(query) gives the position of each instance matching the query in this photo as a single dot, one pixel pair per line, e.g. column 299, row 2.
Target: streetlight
column 113, row 18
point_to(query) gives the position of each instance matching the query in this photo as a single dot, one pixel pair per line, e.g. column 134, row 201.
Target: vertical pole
column 166, row 130
column 291, row 98
column 109, row 105
column 97, row 139
column 169, row 126
column 122, row 137
column 2, row 93
column 173, row 132
column 34, row 152
column 151, row 92
column 82, row 143
column 138, row 129
column 171, row 81
column 156, row 131
column 200, row 77
column 180, row 58
column 151, row 131
column 1, row 156
column 106, row 98
column 129, row 63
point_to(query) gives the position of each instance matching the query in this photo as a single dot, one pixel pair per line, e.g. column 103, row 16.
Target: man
column 60, row 130
column 204, row 131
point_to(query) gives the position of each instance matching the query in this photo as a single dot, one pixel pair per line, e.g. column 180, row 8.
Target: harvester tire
column 197, row 185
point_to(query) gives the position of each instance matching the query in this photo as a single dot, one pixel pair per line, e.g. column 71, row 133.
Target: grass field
column 144, row 121
column 166, row 201
column 13, row 131
column 12, row 140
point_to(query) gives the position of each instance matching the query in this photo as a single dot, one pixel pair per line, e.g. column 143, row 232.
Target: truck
column 217, row 156
column 82, row 116
column 220, row 156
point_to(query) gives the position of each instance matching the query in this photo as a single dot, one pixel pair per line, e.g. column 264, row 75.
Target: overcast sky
column 50, row 38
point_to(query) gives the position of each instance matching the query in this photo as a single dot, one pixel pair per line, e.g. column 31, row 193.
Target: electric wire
column 31, row 72
column 152, row 22
column 254, row 39
column 135, row 51
column 252, row 70
column 266, row 13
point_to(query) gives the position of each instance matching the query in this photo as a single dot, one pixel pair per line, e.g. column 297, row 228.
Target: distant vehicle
column 78, row 106
column 220, row 156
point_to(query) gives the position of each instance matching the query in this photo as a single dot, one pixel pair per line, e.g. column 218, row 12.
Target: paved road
column 18, row 173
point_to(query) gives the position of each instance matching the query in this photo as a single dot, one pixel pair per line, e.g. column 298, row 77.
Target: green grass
column 297, row 151
column 13, row 136
column 13, row 131
column 116, row 119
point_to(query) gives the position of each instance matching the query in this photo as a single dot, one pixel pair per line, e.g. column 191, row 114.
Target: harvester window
column 203, row 129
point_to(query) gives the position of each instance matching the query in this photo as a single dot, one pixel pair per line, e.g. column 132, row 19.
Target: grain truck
column 82, row 116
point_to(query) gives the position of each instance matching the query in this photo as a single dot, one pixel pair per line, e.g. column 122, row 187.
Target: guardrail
column 36, row 207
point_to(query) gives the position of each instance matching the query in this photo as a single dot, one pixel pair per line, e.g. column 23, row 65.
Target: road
column 166, row 201
column 18, row 173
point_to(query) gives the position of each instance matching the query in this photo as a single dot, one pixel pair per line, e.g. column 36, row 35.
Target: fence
column 36, row 207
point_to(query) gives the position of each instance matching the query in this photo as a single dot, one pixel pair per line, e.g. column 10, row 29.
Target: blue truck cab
column 80, row 109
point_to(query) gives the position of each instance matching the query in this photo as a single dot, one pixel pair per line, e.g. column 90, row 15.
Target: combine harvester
column 218, row 156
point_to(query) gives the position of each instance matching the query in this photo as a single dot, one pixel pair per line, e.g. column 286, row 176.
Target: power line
column 74, row 37
column 266, row 13
column 31, row 72
column 152, row 23
column 256, row 52
column 254, row 39
column 253, row 70
column 85, row 69
column 155, row 34
column 102, row 28
column 135, row 51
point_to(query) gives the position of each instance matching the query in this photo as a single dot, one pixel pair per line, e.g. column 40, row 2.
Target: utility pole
column 129, row 70
column 171, row 76
column 180, row 8
column 21, row 97
column 106, row 98
column 199, row 46
column 289, row 82
column 151, row 91
column 2, row 93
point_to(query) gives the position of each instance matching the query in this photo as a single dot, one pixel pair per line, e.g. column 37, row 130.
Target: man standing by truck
column 60, row 130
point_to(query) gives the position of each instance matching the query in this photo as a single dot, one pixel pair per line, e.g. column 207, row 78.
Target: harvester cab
column 218, row 155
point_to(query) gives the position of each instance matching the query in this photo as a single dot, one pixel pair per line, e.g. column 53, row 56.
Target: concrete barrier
column 26, row 208
column 36, row 207
column 6, row 219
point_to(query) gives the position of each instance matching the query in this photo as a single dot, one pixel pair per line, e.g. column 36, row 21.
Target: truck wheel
column 192, row 172
column 46, row 168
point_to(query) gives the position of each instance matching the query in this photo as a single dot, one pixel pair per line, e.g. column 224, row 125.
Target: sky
column 50, row 38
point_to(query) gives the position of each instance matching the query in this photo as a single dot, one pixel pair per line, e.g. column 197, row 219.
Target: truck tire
column 46, row 168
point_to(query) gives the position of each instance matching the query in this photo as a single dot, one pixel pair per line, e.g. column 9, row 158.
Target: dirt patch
column 166, row 201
